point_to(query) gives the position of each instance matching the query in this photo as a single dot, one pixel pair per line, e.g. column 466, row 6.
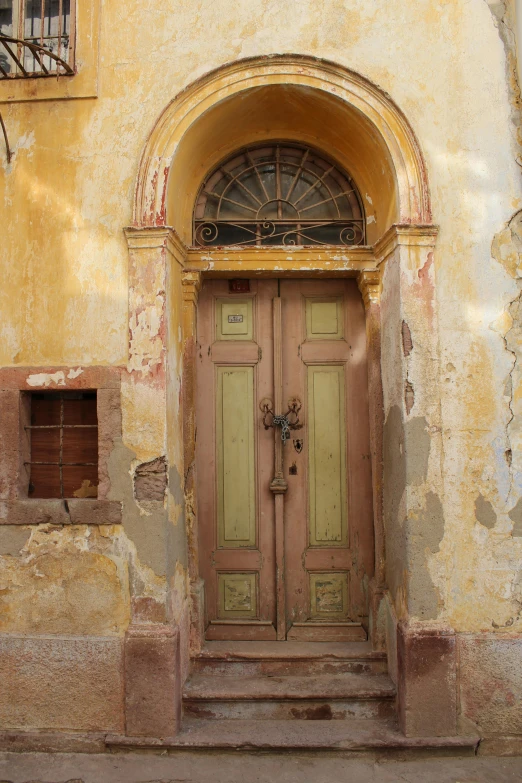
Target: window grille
column 36, row 37
column 63, row 445
column 278, row 194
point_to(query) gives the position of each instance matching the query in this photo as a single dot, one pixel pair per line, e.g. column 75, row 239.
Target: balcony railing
column 13, row 55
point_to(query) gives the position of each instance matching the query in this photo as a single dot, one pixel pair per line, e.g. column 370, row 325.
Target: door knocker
column 287, row 421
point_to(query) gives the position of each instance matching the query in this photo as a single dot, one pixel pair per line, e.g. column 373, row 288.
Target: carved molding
column 191, row 286
column 156, row 238
column 405, row 235
column 370, row 285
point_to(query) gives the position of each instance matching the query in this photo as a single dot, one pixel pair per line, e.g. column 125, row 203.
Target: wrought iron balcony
column 15, row 53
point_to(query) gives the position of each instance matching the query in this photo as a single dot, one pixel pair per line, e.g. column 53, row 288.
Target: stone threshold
column 263, row 735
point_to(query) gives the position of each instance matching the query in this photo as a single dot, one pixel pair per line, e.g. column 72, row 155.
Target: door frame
column 361, row 263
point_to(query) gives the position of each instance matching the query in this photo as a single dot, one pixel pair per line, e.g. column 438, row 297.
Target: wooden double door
column 283, row 460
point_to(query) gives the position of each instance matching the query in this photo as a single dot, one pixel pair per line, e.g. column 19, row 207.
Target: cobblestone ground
column 250, row 768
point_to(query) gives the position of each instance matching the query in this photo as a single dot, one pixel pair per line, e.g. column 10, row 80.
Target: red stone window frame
column 16, row 385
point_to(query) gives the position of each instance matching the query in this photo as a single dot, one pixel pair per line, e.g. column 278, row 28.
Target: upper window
column 37, row 38
column 278, row 194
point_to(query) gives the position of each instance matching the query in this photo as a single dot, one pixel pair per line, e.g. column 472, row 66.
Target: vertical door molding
column 278, row 484
column 191, row 286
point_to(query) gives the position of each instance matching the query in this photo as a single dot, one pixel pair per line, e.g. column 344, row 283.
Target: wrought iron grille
column 278, row 194
column 36, row 38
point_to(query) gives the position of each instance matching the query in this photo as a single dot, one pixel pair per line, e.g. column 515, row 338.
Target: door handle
column 287, row 421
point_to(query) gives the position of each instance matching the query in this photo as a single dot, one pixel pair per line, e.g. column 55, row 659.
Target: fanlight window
column 278, row 194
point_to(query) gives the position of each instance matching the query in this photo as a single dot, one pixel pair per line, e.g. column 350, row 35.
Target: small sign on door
column 235, row 319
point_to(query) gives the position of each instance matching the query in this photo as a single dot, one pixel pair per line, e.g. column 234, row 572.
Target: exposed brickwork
column 150, row 480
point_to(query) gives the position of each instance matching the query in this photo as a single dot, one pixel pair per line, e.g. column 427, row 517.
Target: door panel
column 234, row 457
column 235, row 475
column 326, row 456
column 328, row 506
column 323, row 500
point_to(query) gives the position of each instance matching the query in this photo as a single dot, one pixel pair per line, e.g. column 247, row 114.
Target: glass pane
column 6, row 17
column 45, row 445
column 52, row 32
column 44, row 481
column 276, row 189
column 80, row 481
column 6, row 28
column 33, row 20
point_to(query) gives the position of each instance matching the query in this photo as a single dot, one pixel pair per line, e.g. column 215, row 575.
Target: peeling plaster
column 67, row 579
column 47, row 379
column 503, row 15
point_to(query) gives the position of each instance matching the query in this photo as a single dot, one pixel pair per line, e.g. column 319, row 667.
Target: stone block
column 152, row 681
column 490, row 682
column 427, row 697
column 9, row 443
column 77, row 511
column 62, row 683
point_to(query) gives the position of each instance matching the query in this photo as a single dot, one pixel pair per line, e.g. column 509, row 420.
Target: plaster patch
column 74, row 373
column 418, row 444
column 146, row 528
column 515, row 516
column 46, row 379
column 424, row 540
column 13, row 538
column 484, row 512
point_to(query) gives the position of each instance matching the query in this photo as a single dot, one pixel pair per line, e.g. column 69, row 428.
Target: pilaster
column 412, row 473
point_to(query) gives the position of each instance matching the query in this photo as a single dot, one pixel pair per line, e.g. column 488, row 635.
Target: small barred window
column 63, row 445
column 36, row 37
column 278, row 194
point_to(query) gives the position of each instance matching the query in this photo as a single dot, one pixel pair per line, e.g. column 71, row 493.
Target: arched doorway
column 349, row 120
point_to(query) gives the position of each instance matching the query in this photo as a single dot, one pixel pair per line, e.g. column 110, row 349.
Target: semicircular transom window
column 278, row 194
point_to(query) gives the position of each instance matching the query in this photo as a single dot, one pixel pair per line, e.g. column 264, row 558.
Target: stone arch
column 170, row 172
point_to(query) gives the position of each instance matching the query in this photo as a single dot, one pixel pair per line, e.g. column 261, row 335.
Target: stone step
column 331, row 736
column 299, row 709
column 248, row 659
column 323, row 697
column 333, row 686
